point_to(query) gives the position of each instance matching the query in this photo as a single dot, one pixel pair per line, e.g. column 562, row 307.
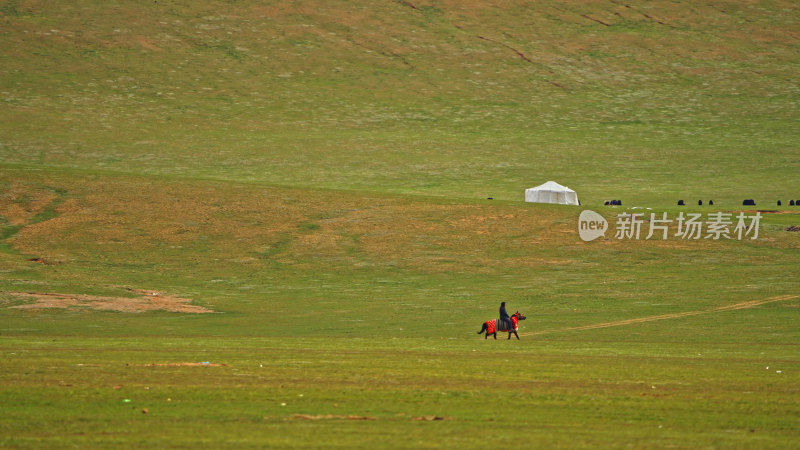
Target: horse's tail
column 484, row 328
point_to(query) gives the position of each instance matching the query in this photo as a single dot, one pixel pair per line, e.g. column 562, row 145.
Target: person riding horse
column 491, row 327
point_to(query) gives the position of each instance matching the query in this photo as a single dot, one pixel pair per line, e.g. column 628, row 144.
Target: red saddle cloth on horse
column 498, row 325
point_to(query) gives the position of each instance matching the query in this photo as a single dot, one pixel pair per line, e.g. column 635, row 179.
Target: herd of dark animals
column 747, row 202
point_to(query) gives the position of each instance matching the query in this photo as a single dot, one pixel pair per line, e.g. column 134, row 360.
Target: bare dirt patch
column 186, row 364
column 146, row 301
column 355, row 417
column 147, row 44
column 330, row 416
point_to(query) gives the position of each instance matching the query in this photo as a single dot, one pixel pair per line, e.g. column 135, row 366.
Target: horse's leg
column 515, row 334
column 495, row 335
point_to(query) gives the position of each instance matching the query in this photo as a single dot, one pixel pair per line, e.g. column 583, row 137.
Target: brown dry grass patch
column 147, row 301
column 20, row 202
column 136, row 221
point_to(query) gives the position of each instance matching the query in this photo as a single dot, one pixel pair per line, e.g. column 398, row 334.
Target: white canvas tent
column 551, row 192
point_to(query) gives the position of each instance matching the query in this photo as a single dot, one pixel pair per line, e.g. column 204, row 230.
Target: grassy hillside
column 649, row 103
column 290, row 255
column 316, row 174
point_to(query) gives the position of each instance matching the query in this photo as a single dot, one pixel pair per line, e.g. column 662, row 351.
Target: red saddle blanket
column 492, row 325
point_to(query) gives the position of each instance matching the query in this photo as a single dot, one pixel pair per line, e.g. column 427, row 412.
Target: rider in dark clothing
column 504, row 315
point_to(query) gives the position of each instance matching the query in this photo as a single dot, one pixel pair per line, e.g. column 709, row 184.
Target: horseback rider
column 504, row 317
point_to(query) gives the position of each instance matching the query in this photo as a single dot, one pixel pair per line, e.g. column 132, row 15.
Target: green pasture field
column 267, row 224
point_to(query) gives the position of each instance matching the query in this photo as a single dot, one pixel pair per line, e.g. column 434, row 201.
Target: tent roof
column 552, row 186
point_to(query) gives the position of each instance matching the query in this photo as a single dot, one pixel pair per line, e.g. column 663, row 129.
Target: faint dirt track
column 617, row 323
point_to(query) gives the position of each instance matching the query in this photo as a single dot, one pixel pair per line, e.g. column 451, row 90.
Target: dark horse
column 493, row 326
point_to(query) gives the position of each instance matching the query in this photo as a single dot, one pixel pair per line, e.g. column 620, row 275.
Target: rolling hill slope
column 461, row 99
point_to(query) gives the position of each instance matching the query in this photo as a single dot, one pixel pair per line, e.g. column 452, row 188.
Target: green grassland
column 317, row 174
